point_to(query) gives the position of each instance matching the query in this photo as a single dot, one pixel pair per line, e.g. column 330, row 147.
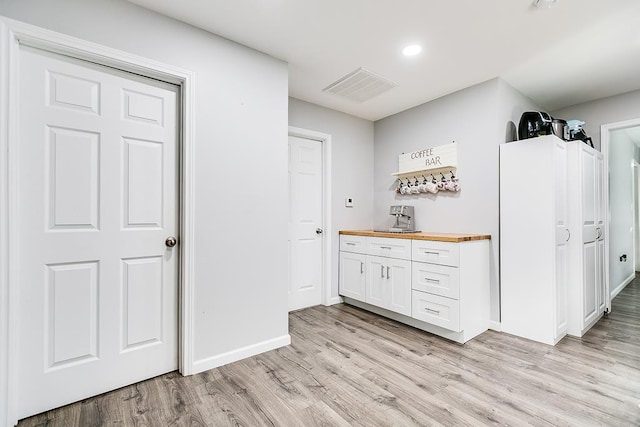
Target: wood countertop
column 424, row 235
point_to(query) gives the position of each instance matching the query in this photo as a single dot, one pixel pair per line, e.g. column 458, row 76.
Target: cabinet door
column 600, row 218
column 600, row 276
column 589, row 194
column 562, row 238
column 561, row 260
column 352, row 275
column 376, row 281
column 398, row 286
column 590, row 291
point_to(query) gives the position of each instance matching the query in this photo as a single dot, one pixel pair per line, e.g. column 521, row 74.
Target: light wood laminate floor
column 348, row 367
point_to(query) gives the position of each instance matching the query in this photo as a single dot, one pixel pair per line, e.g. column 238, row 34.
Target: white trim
column 241, row 353
column 335, row 300
column 13, row 34
column 634, row 210
column 625, row 282
column 495, row 326
column 5, row 338
column 605, row 133
column 325, row 139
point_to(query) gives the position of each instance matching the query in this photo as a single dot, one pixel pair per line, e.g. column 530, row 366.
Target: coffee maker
column 404, row 217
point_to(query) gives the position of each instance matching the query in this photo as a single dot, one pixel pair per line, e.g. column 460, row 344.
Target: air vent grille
column 360, row 85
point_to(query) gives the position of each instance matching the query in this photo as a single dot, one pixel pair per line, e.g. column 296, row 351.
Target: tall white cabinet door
column 97, row 179
column 587, row 270
column 601, row 237
column 352, row 275
column 533, row 226
column 562, row 237
column 398, row 276
column 591, row 231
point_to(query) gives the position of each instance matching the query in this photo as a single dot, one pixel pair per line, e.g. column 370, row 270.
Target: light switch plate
column 348, row 202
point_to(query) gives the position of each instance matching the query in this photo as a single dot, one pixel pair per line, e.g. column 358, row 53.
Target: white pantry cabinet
column 534, row 236
column 440, row 287
column 551, row 238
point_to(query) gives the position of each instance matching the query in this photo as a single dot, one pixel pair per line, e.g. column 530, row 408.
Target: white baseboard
column 239, row 354
column 495, row 326
column 334, row 300
column 623, row 285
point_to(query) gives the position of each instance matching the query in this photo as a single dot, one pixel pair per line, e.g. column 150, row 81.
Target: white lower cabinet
column 388, row 284
column 437, row 310
column 439, row 287
column 352, row 275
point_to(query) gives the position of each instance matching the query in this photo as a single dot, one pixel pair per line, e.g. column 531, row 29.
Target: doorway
column 310, row 236
column 97, row 225
column 14, row 37
column 619, row 145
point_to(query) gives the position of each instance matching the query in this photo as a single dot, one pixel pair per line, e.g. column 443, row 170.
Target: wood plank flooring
column 348, row 367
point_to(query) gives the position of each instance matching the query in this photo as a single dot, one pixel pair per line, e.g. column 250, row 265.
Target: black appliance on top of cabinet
column 534, row 124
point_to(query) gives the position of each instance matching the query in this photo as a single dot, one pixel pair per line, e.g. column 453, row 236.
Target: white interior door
column 97, row 198
column 305, row 222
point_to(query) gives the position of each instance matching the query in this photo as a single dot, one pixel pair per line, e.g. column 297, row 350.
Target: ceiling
column 575, row 52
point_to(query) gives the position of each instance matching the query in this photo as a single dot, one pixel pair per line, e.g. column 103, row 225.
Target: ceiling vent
column 360, row 85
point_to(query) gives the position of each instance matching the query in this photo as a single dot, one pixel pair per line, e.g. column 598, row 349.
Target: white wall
column 351, row 164
column 621, row 152
column 511, row 105
column 240, row 113
column 603, row 111
column 478, row 119
column 468, row 118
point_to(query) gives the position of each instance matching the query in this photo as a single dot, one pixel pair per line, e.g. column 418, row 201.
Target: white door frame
column 605, row 135
column 635, row 170
column 14, row 34
column 325, row 140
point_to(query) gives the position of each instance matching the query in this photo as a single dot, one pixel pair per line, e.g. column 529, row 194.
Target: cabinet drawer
column 387, row 247
column 437, row 310
column 444, row 253
column 436, row 279
column 355, row 244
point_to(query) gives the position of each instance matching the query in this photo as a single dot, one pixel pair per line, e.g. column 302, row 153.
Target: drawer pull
column 350, row 243
column 385, row 247
column 431, row 253
column 387, row 272
column 361, row 267
column 382, row 271
column 431, row 280
column 431, row 310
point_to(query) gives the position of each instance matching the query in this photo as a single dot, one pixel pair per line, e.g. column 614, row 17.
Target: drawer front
column 444, row 253
column 387, row 247
column 436, row 279
column 355, row 244
column 437, row 310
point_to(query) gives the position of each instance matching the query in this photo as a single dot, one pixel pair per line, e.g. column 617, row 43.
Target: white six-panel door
column 305, row 222
column 97, row 198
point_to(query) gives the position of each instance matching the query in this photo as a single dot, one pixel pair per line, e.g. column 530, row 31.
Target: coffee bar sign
column 435, row 159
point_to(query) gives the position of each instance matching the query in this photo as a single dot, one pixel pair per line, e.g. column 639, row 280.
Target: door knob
column 170, row 242
column 318, row 230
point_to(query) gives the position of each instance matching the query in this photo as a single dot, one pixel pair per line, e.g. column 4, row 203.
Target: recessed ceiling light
column 545, row 4
column 412, row 50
